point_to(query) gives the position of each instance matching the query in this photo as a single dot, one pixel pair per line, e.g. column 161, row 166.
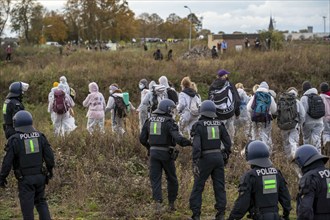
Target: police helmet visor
column 25, row 86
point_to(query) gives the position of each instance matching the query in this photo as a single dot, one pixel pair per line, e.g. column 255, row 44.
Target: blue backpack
column 260, row 107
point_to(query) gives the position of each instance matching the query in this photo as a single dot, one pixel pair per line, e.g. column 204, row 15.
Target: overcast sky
column 231, row 15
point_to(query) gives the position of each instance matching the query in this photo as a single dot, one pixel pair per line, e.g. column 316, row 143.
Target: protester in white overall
column 118, row 123
column 244, row 120
column 149, row 98
column 262, row 130
column 64, row 123
column 218, row 84
column 64, row 82
column 325, row 94
column 312, row 128
column 290, row 138
column 186, row 99
column 142, row 109
column 96, row 107
column 51, row 100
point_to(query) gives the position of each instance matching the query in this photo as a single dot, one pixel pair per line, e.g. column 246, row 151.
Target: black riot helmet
column 22, row 121
column 165, row 107
column 257, row 153
column 16, row 89
column 208, row 109
column 306, row 155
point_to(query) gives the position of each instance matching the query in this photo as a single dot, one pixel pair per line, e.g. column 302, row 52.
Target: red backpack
column 60, row 106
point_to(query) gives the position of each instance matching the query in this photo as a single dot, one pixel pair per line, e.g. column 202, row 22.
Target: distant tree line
column 91, row 20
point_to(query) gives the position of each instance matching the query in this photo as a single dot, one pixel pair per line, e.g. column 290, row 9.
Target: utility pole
column 324, row 23
column 190, row 26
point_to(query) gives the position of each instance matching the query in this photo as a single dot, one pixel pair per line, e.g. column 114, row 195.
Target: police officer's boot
column 195, row 217
column 158, row 208
column 171, row 207
column 220, row 216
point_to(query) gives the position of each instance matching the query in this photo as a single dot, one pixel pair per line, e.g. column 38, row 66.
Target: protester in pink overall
column 96, row 105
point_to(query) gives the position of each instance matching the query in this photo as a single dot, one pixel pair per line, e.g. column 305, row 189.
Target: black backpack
column 171, row 94
column 316, row 107
column 120, row 107
column 224, row 100
column 287, row 113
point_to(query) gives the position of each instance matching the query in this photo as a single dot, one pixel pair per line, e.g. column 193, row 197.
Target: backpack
column 260, row 107
column 171, row 94
column 316, row 107
column 120, row 107
column 224, row 101
column 326, row 100
column 194, row 105
column 158, row 94
column 60, row 106
column 287, row 112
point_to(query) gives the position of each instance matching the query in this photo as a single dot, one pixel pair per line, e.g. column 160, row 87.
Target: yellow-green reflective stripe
column 4, row 108
column 155, row 128
column 270, row 186
column 213, row 132
column 267, row 182
column 328, row 187
column 31, row 146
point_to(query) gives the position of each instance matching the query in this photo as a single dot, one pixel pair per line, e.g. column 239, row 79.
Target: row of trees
column 91, row 20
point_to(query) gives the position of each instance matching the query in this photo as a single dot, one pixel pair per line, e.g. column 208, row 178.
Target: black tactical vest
column 322, row 198
column 158, row 134
column 266, row 191
column 29, row 151
column 10, row 108
column 210, row 137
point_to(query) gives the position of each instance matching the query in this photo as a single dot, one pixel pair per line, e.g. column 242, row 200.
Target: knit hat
column 222, row 72
column 324, row 87
column 306, row 86
column 55, row 84
column 264, row 85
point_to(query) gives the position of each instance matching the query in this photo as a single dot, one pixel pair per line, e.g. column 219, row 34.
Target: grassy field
column 101, row 176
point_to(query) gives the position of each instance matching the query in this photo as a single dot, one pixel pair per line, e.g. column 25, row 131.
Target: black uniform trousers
column 32, row 193
column 159, row 161
column 209, row 165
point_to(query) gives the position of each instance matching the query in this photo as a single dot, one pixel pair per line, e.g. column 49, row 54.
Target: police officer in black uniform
column 313, row 200
column 26, row 150
column 208, row 159
column 261, row 188
column 159, row 135
column 12, row 105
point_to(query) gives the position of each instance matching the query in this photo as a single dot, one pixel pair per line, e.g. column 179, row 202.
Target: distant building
column 234, row 41
column 271, row 25
column 310, row 29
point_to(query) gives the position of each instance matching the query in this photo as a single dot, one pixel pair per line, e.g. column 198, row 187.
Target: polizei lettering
column 212, row 123
column 266, row 171
column 324, row 173
column 29, row 135
column 157, row 119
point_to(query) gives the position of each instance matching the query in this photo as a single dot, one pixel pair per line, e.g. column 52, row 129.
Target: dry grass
column 106, row 177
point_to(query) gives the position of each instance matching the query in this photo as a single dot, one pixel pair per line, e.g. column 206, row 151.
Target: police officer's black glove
column 195, row 169
column 50, row 174
column 225, row 156
column 3, row 183
column 186, row 142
